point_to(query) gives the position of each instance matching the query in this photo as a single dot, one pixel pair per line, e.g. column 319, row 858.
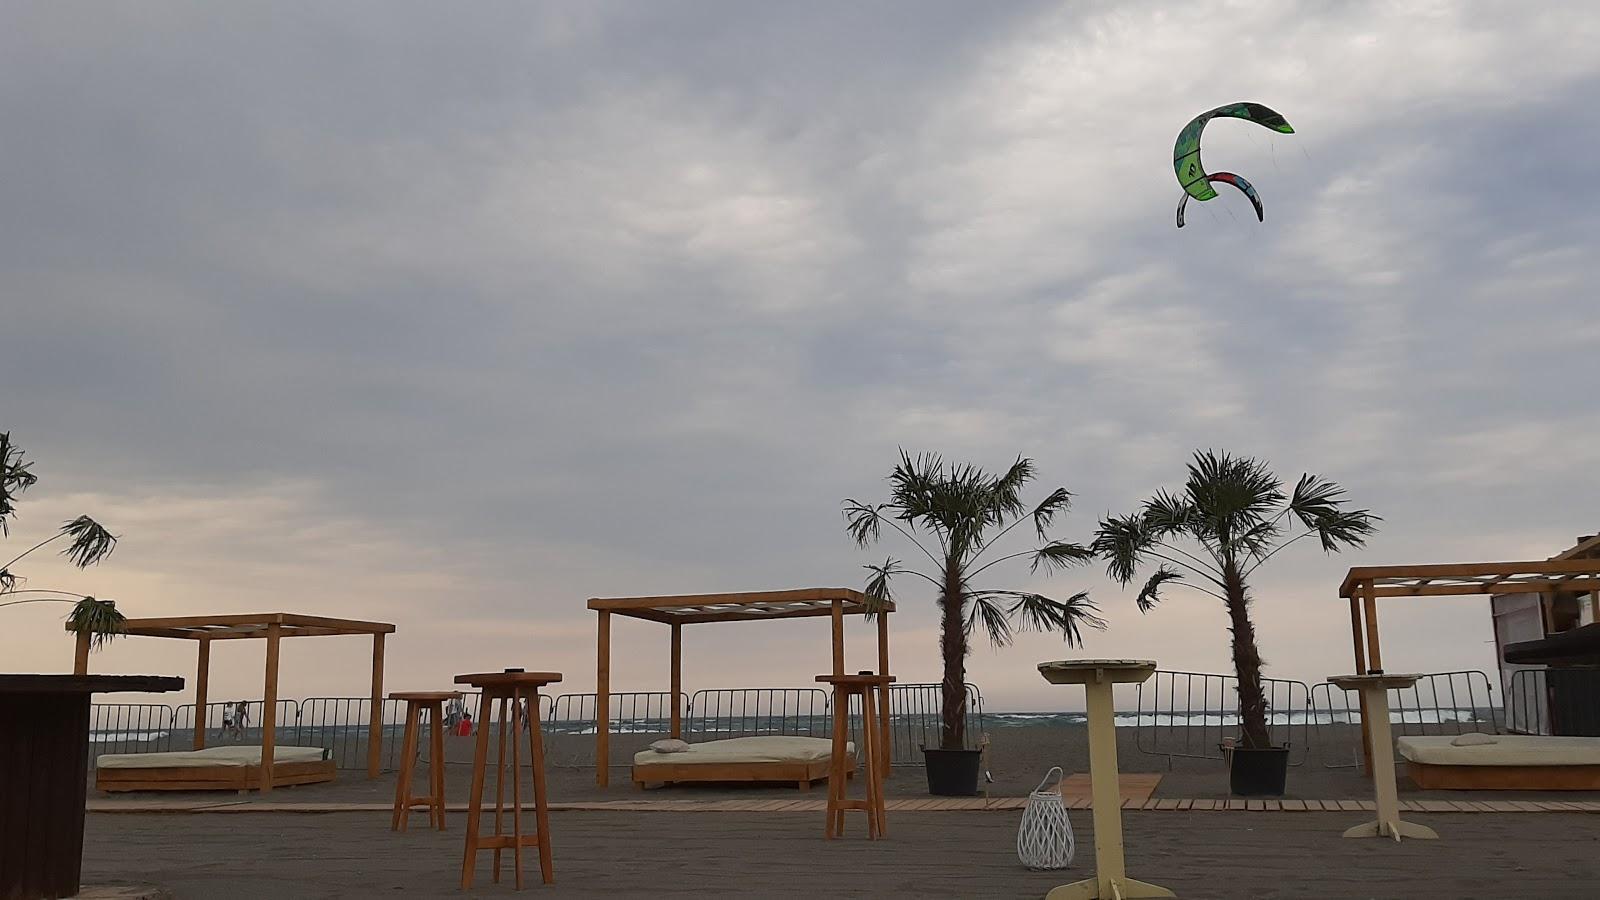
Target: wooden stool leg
column 436, row 769
column 408, row 757
column 869, row 751
column 541, row 803
column 500, row 786
column 480, row 757
column 516, row 783
column 836, row 765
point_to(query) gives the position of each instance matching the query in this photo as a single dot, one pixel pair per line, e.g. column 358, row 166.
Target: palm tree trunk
column 1246, row 660
column 953, row 645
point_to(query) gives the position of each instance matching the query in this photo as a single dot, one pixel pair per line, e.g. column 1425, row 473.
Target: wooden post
column 269, row 704
column 677, row 678
column 80, row 656
column 602, row 704
column 202, row 675
column 1369, row 601
column 838, row 637
column 375, row 725
column 883, row 694
column 1355, row 633
column 1362, row 667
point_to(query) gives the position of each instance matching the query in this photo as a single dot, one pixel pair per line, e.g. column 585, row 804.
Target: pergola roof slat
column 249, row 625
column 1474, row 578
column 750, row 606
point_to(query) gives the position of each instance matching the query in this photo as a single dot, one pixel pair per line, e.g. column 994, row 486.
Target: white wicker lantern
column 1044, row 839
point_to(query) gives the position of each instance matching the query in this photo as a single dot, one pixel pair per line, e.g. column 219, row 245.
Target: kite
column 1186, row 154
column 1238, row 182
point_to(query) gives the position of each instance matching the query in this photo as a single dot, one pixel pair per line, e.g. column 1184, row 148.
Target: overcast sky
column 454, row 317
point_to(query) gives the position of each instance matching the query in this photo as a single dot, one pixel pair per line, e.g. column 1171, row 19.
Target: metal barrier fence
column 1439, row 703
column 1188, row 714
column 1563, row 701
column 340, row 724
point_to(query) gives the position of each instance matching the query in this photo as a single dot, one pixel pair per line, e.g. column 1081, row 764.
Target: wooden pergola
column 273, row 627
column 756, row 606
column 1364, row 585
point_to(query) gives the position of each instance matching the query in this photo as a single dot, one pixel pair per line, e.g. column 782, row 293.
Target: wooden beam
column 1468, row 570
column 883, row 692
column 602, row 703
column 375, row 724
column 701, row 618
column 80, row 656
column 269, row 710
column 259, row 620
column 681, row 600
column 838, row 637
column 1355, row 635
column 677, row 678
column 1581, row 583
column 202, row 680
column 1370, row 607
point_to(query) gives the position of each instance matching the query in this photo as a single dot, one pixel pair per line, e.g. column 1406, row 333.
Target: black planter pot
column 952, row 773
column 1258, row 773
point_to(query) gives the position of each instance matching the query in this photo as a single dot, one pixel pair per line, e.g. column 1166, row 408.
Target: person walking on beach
column 227, row 720
column 241, row 720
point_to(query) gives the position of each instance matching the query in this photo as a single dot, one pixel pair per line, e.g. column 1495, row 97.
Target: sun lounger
column 213, row 769
column 799, row 760
column 1513, row 762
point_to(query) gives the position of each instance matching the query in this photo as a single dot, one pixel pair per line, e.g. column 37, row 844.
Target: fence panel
column 1188, row 714
column 218, row 733
column 129, row 727
column 718, row 713
column 1439, row 703
column 915, row 720
column 570, row 724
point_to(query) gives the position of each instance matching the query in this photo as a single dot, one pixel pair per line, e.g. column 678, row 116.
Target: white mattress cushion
column 765, row 748
column 233, row 755
column 1507, row 750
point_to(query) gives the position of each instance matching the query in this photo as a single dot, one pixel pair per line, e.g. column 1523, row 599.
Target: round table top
column 1087, row 671
column 1383, row 680
column 508, row 679
column 425, row 696
column 858, row 678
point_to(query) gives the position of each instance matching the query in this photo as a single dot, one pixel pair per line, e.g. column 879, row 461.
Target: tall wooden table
column 418, row 702
column 511, row 690
column 1374, row 689
column 44, row 773
column 873, row 760
column 1097, row 676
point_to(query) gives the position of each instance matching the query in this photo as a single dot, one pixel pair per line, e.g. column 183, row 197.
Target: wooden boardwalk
column 913, row 804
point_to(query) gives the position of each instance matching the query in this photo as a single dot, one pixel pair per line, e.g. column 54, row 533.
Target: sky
column 456, row 318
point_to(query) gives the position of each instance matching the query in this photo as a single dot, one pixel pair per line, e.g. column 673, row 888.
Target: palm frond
column 97, row 618
column 1319, row 505
column 1167, row 514
column 14, row 479
column 862, row 521
column 982, row 609
column 1149, row 595
column 1036, row 612
column 1347, row 528
column 1230, row 495
column 878, row 593
column 1006, row 491
column 1044, row 515
column 1122, row 541
column 1058, row 555
column 91, row 542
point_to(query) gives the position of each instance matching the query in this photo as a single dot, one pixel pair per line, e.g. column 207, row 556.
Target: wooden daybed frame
column 272, row 627
column 755, row 606
column 212, row 778
column 1504, row 778
column 800, row 773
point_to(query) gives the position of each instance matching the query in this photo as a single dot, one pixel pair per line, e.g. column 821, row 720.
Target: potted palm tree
column 88, row 542
column 954, row 515
column 1231, row 517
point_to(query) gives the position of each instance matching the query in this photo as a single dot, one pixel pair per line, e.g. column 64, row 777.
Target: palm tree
column 961, row 512
column 1231, row 517
column 89, row 543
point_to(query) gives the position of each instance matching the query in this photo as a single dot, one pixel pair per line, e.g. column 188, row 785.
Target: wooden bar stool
column 418, row 702
column 511, row 690
column 866, row 686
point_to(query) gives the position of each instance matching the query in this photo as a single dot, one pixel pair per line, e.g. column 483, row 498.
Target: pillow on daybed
column 1473, row 739
column 670, row 745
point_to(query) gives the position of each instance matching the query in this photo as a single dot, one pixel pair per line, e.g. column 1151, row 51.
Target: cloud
column 457, row 321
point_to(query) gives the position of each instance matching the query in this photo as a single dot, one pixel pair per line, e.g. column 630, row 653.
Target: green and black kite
column 1186, row 154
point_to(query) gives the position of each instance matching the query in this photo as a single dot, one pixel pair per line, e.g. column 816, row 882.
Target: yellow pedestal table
column 1111, row 880
column 1374, row 689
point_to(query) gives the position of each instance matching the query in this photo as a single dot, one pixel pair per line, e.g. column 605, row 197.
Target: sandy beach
column 1018, row 758
column 940, row 854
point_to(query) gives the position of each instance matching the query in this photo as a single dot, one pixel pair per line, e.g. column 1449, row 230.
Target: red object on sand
column 464, row 728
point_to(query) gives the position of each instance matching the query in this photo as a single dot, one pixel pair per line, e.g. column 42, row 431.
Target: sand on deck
column 932, row 854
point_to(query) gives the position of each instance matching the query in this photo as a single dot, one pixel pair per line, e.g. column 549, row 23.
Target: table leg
column 516, row 783
column 480, row 757
column 1111, row 879
column 870, row 753
column 402, row 785
column 436, row 766
column 541, row 802
column 836, row 766
column 1388, row 823
column 500, row 786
